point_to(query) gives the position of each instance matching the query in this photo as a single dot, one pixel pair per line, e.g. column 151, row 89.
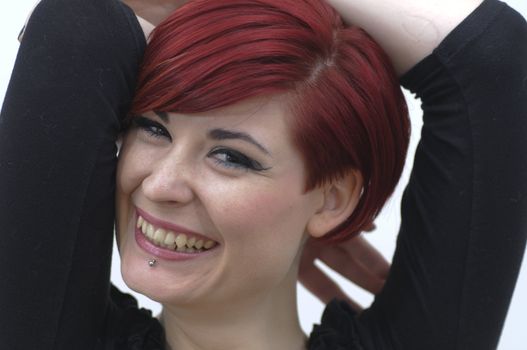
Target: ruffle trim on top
column 136, row 328
column 338, row 329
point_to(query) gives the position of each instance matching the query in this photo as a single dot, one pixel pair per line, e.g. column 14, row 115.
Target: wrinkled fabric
column 134, row 328
column 337, row 330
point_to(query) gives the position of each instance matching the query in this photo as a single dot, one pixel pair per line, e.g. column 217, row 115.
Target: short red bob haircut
column 347, row 108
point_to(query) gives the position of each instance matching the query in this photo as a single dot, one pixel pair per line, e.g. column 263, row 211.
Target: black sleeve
column 464, row 211
column 72, row 82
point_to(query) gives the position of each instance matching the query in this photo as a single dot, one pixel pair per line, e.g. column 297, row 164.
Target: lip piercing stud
column 152, row 262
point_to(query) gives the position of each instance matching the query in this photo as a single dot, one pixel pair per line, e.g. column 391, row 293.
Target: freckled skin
column 259, row 218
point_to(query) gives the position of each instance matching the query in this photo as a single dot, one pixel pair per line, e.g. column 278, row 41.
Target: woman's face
column 229, row 185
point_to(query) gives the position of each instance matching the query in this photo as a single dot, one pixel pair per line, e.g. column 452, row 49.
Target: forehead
column 263, row 112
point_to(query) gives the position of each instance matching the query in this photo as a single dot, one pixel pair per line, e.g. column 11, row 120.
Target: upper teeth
column 169, row 239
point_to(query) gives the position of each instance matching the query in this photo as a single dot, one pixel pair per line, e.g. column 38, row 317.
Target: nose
column 169, row 181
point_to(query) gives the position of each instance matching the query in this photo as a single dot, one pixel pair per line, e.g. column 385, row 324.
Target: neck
column 265, row 321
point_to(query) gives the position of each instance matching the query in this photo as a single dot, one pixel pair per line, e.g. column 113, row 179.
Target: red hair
column 348, row 109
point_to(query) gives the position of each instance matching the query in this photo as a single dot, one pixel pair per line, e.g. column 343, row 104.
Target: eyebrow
column 222, row 134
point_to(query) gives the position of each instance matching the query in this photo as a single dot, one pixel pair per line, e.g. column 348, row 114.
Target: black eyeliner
column 147, row 125
column 245, row 162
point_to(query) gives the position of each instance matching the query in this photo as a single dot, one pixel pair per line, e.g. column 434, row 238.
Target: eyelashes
column 151, row 127
column 225, row 157
column 233, row 159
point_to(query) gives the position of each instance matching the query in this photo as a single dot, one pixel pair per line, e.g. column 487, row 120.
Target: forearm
column 408, row 30
column 463, row 213
column 73, row 79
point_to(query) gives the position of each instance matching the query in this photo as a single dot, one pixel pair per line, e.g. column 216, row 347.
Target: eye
column 151, row 127
column 230, row 158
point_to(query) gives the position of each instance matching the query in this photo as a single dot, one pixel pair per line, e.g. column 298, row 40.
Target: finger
column 310, row 251
column 364, row 253
column 340, row 261
column 323, row 287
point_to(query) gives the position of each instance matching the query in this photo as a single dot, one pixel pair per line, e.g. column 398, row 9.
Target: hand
column 154, row 11
column 355, row 259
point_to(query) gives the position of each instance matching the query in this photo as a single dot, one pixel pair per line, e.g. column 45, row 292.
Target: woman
column 399, row 318
column 220, row 181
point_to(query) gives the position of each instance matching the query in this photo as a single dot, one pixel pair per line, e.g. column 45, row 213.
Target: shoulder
column 338, row 329
column 130, row 328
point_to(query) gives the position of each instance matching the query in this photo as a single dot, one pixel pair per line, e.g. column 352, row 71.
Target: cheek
column 131, row 168
column 136, row 162
column 262, row 225
column 253, row 207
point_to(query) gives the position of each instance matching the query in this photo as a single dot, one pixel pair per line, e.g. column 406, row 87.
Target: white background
column 12, row 16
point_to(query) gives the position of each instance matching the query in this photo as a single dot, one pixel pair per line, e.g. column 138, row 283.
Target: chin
column 168, row 282
column 155, row 282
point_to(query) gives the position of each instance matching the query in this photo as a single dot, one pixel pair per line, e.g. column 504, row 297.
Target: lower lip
column 163, row 253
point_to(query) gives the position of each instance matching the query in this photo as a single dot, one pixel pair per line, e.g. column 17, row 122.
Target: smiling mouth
column 179, row 242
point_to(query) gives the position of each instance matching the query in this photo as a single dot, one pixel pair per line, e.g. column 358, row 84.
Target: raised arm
column 73, row 80
column 407, row 30
column 463, row 229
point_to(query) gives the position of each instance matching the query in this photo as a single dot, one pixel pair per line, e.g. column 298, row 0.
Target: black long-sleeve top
column 464, row 211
